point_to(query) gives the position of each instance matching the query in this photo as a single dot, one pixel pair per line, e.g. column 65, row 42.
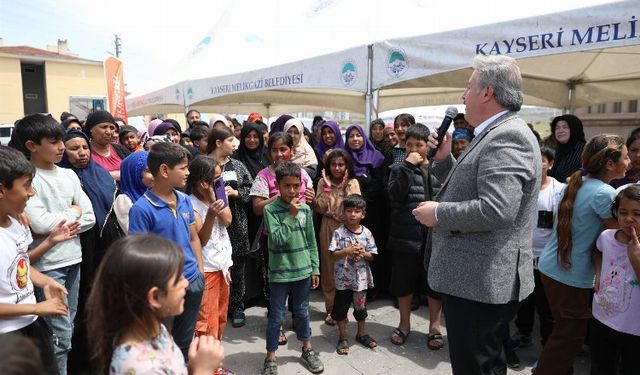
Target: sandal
column 435, row 341
column 367, row 341
column 343, row 347
column 329, row 320
column 238, row 320
column 400, row 336
column 282, row 339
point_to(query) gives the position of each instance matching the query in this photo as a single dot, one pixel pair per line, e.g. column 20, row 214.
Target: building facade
column 52, row 81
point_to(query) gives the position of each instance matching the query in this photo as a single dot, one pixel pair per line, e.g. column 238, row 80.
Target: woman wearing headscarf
column 71, row 123
column 303, row 154
column 376, row 135
column 101, row 189
column 568, row 134
column 368, row 165
column 278, row 125
column 153, row 124
column 135, row 179
column 169, row 129
column 330, row 138
column 252, row 151
column 102, row 130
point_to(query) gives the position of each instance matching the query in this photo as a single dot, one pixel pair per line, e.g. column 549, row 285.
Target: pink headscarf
column 153, row 125
column 303, row 154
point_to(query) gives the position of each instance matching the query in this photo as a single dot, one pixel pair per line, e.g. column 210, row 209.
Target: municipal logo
column 178, row 95
column 349, row 73
column 397, row 63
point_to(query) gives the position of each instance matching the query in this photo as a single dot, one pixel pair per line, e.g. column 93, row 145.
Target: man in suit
column 481, row 258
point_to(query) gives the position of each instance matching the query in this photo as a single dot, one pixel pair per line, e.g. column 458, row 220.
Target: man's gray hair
column 503, row 74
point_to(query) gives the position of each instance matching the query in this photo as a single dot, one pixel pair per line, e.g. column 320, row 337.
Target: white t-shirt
column 216, row 254
column 548, row 200
column 15, row 283
column 617, row 303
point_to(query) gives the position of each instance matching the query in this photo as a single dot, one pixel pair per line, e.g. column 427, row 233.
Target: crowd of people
column 128, row 251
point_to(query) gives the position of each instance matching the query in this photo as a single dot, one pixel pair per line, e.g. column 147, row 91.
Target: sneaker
column 512, row 358
column 312, row 361
column 520, row 340
column 238, row 319
column 270, row 367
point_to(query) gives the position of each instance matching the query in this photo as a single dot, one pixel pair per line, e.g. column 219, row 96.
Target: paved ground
column 245, row 346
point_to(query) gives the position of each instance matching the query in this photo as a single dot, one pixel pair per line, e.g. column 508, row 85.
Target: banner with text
column 113, row 70
column 599, row 27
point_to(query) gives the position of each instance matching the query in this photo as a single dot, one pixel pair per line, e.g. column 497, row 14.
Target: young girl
column 138, row 284
column 352, row 247
column 376, row 136
column 265, row 190
column 212, row 220
column 565, row 264
column 135, row 179
column 615, row 329
column 332, row 189
column 401, row 124
column 237, row 181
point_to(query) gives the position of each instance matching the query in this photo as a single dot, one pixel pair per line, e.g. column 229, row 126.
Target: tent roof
column 591, row 56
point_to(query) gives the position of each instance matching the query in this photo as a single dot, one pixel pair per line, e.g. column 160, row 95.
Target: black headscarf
column 96, row 181
column 257, row 159
column 568, row 155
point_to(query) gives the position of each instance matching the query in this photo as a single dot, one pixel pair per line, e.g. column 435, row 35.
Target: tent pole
column 376, row 103
column 367, row 97
column 572, row 96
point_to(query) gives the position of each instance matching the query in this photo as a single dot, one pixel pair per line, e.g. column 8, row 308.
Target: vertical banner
column 113, row 70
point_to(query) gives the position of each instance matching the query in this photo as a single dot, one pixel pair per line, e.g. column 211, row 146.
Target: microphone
column 450, row 113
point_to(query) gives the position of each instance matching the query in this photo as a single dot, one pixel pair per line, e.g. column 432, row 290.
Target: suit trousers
column 475, row 331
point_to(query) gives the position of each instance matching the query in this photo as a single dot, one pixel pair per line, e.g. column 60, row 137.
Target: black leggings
column 611, row 348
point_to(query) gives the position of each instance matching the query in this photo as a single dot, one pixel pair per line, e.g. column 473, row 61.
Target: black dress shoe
column 512, row 358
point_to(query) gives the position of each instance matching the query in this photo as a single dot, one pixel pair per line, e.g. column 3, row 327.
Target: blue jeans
column 62, row 327
column 184, row 325
column 300, row 300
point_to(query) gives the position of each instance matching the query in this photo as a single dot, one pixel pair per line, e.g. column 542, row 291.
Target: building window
column 617, row 107
column 602, row 108
column 633, row 106
column 589, row 109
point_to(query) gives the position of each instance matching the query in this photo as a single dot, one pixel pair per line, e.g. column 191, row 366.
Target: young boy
column 410, row 184
column 550, row 195
column 128, row 136
column 293, row 265
column 352, row 248
column 199, row 137
column 58, row 196
column 164, row 211
column 19, row 311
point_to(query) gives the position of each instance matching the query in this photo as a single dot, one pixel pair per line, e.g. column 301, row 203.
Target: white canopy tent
column 568, row 59
column 336, row 81
column 167, row 100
